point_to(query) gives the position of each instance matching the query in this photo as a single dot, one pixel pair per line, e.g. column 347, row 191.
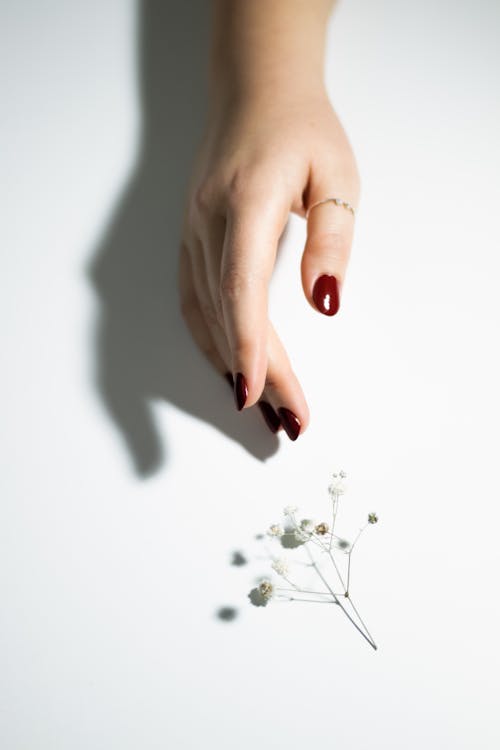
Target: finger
column 330, row 230
column 282, row 391
column 212, row 235
column 212, row 232
column 248, row 257
column 206, row 304
column 193, row 316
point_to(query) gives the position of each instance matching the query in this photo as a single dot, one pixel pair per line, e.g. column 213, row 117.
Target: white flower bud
column 275, row 530
column 280, row 566
column 337, row 487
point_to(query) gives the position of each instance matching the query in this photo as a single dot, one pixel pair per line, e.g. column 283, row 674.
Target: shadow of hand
column 143, row 350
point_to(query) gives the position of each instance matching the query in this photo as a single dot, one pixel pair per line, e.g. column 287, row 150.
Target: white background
column 129, row 479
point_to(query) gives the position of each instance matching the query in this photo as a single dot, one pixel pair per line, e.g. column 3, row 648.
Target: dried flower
column 329, row 559
column 321, row 528
column 301, row 536
column 303, row 532
column 275, row 530
column 266, row 589
column 337, row 486
column 280, row 566
column 307, row 525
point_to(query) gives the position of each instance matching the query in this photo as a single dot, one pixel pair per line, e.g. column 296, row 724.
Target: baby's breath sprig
column 328, row 556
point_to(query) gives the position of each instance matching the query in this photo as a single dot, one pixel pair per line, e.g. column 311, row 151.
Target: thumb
column 330, row 227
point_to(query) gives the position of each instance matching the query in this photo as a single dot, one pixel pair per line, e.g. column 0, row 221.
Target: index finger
column 248, row 256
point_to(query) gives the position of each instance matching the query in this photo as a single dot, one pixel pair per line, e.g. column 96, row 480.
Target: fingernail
column 240, row 391
column 270, row 416
column 229, row 377
column 326, row 295
column 290, row 422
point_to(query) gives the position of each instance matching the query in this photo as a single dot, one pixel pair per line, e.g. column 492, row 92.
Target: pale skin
column 272, row 145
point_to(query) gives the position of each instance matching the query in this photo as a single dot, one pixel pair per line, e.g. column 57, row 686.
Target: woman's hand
column 260, row 159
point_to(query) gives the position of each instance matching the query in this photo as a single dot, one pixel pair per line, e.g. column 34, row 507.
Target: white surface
column 112, row 567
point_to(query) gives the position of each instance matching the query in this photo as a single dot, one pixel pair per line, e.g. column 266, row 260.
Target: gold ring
column 337, row 201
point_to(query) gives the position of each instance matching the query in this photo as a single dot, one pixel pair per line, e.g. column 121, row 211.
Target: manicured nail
column 326, row 295
column 229, row 377
column 270, row 416
column 240, row 391
column 290, row 422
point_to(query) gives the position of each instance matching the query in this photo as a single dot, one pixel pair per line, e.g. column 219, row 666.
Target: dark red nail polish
column 229, row 377
column 290, row 422
column 270, row 416
column 326, row 295
column 240, row 391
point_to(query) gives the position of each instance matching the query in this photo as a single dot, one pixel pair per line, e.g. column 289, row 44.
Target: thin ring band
column 337, row 201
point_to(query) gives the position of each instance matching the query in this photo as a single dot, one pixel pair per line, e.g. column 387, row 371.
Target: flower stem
column 367, row 638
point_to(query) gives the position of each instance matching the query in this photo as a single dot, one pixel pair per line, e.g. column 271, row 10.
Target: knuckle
column 204, row 196
column 272, row 381
column 282, row 376
column 239, row 184
column 246, row 186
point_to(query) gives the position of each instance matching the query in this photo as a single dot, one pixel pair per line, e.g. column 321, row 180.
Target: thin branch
column 307, row 591
column 314, row 601
column 337, row 600
column 361, row 620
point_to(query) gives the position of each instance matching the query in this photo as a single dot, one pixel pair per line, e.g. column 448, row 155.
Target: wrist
column 263, row 50
column 269, row 93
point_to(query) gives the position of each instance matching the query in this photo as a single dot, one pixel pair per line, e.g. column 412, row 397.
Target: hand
column 259, row 160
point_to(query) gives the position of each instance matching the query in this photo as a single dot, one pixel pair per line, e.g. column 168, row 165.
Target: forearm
column 262, row 47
